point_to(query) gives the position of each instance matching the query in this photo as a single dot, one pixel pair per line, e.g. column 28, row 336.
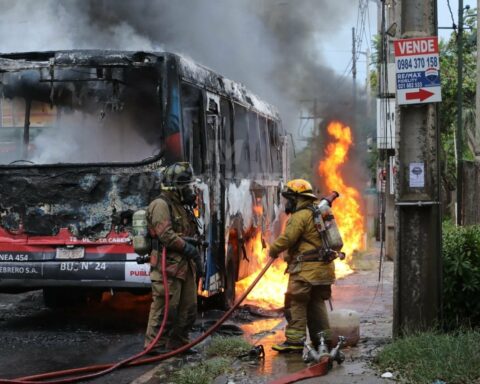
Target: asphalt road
column 35, row 339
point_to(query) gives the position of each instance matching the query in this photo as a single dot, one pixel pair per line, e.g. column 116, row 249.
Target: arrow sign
column 421, row 95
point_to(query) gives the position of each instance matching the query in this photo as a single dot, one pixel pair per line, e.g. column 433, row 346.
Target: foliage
column 461, row 274
column 203, row 373
column 426, row 357
column 220, row 355
column 448, row 107
column 228, row 346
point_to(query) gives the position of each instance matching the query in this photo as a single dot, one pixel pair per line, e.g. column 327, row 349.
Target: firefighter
column 310, row 277
column 170, row 218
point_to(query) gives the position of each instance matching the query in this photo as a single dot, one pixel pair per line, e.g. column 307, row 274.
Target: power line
column 454, row 26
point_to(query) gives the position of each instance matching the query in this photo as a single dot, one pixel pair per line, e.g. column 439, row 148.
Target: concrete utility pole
column 417, row 282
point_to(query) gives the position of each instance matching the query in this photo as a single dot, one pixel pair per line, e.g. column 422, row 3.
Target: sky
column 444, row 17
column 285, row 48
column 338, row 51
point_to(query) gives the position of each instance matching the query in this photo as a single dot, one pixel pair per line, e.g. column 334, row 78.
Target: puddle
column 268, row 332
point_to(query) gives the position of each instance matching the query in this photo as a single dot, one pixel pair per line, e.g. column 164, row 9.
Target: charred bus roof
column 187, row 69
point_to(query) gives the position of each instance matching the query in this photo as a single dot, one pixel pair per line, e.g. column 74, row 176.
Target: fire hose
column 102, row 369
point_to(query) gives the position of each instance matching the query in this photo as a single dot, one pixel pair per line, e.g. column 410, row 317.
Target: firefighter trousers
column 305, row 308
column 182, row 311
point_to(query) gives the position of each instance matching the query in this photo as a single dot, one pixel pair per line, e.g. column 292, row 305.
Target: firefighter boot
column 288, row 346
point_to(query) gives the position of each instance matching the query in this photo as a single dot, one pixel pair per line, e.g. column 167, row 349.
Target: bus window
column 89, row 116
column 227, row 135
column 194, row 139
column 265, row 146
column 275, row 147
column 254, row 144
column 240, row 148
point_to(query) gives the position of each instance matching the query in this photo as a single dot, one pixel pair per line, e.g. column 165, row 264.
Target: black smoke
column 272, row 46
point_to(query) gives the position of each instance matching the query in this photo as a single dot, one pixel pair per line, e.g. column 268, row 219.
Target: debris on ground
column 263, row 312
column 387, row 375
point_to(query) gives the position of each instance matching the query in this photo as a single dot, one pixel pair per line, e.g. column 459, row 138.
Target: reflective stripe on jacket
column 300, row 236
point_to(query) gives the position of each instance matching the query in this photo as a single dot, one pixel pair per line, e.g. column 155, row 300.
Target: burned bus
column 84, row 137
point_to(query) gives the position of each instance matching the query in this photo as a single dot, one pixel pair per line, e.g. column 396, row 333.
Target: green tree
column 448, row 107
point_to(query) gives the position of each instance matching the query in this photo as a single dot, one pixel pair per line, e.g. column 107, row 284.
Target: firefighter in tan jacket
column 170, row 218
column 310, row 277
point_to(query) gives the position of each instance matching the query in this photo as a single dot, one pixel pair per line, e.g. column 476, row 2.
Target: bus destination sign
column 417, row 70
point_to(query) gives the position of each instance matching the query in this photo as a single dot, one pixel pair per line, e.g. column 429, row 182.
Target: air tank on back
column 141, row 241
column 332, row 234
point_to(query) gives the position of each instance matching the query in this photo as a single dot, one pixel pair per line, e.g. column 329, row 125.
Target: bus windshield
column 79, row 115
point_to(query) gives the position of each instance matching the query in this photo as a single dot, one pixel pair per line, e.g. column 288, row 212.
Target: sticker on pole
column 417, row 70
column 416, row 175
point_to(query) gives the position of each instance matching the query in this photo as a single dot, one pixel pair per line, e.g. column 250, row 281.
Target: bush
column 424, row 358
column 461, row 275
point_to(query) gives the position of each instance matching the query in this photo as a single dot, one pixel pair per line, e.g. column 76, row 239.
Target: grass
column 203, row 373
column 227, row 346
column 220, row 354
column 426, row 357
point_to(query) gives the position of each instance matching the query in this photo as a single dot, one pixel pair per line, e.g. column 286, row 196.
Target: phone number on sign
column 417, row 63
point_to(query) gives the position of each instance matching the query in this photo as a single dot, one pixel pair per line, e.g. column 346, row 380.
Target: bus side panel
column 40, row 266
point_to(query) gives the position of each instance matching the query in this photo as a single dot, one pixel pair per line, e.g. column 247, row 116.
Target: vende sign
column 417, row 70
column 408, row 47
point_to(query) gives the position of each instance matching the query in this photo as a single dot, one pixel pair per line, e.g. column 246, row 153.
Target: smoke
column 70, row 141
column 272, row 46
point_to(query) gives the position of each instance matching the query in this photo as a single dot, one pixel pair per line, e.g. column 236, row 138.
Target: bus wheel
column 55, row 297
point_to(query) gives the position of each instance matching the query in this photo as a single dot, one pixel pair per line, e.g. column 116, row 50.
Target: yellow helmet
column 298, row 187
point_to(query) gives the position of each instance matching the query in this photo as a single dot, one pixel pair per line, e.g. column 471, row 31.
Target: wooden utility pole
column 354, row 76
column 417, row 280
column 459, row 135
column 477, row 96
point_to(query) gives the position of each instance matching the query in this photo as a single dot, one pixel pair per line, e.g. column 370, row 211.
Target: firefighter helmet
column 298, row 187
column 178, row 175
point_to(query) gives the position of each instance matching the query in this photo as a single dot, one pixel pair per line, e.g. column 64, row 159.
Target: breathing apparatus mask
column 295, row 189
column 290, row 205
column 188, row 195
column 179, row 177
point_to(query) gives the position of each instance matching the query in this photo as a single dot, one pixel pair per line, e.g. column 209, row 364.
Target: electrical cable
column 133, row 362
column 454, row 26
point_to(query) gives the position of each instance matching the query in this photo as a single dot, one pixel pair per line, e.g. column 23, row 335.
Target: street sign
column 417, row 70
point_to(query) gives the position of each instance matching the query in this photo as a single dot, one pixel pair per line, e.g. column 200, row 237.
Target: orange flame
column 346, row 209
column 270, row 290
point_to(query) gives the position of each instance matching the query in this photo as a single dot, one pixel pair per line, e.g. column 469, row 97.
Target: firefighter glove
column 273, row 255
column 191, row 253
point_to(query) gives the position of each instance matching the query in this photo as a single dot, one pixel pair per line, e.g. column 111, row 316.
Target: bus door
column 215, row 169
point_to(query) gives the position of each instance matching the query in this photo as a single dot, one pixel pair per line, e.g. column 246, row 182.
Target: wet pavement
column 36, row 339
column 361, row 292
